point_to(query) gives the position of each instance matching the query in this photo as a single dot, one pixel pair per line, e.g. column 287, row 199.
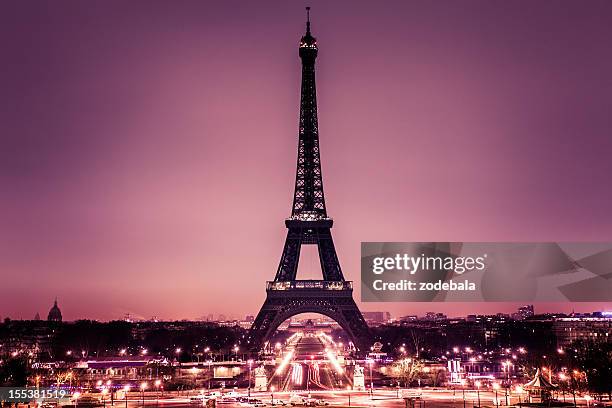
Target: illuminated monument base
column 261, row 379
column 358, row 378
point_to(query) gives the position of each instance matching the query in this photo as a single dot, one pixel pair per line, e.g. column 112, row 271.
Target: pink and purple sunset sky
column 147, row 149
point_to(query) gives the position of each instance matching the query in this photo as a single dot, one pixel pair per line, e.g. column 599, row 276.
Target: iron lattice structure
column 309, row 225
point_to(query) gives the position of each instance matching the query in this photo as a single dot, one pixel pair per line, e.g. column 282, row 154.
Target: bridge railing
column 310, row 284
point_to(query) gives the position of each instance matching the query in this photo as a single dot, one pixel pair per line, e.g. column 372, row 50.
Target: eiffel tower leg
column 287, row 268
column 337, row 305
column 330, row 266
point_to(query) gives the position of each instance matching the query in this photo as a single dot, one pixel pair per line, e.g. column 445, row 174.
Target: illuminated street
column 381, row 398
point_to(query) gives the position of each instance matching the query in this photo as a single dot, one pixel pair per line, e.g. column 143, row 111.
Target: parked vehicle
column 298, row 400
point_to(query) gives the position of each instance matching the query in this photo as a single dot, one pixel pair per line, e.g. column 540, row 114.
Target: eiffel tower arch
column 309, row 224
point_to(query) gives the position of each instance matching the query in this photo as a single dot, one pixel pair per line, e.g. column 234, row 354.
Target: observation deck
column 309, row 285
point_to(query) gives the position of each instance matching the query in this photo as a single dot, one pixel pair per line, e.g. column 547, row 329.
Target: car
column 298, row 400
column 88, row 401
column 198, row 398
column 321, row 402
column 259, row 404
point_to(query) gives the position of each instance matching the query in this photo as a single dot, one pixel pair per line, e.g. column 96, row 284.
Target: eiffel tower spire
column 308, row 199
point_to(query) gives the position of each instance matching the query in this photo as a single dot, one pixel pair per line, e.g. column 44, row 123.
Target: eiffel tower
column 309, row 225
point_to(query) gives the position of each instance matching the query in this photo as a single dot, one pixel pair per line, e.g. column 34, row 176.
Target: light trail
column 296, row 373
column 332, row 358
column 284, row 363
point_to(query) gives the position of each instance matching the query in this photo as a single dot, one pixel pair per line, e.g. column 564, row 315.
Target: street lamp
column 519, row 391
column 272, row 393
column 507, row 364
column 477, row 384
column 126, row 389
column 157, row 384
column 210, row 374
column 104, row 392
column 75, row 397
column 236, row 348
column 496, row 387
column 177, row 351
column 250, row 362
column 348, row 388
column 562, row 377
column 110, row 390
column 143, row 387
column 194, row 371
column 370, row 363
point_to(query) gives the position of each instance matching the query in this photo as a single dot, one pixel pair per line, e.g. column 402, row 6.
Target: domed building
column 55, row 315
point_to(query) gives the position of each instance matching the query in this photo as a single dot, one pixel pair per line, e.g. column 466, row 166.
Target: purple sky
column 147, row 149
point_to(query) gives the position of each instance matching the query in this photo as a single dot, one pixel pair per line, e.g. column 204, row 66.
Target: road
column 443, row 398
column 310, row 368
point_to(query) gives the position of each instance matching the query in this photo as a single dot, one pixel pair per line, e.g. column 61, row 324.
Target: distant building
column 524, row 312
column 570, row 329
column 250, row 318
column 37, row 317
column 55, row 315
column 377, row 317
column 309, row 326
column 435, row 317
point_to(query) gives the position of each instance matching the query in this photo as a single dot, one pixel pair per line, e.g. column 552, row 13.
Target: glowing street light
column 126, row 389
column 496, row 387
column 75, row 396
column 478, row 384
column 157, row 384
column 250, row 362
column 370, row 362
column 143, row 387
column 519, row 390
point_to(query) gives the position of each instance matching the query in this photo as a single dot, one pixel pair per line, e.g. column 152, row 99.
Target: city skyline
column 142, row 163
